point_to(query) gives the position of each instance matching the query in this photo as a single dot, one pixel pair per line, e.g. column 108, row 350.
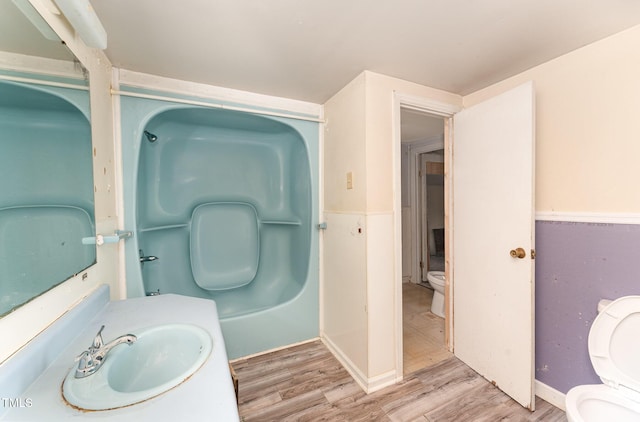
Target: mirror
column 46, row 172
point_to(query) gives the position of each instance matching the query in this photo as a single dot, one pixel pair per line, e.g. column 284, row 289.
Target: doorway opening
column 423, row 239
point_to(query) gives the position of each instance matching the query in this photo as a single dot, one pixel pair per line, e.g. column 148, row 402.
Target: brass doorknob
column 518, row 253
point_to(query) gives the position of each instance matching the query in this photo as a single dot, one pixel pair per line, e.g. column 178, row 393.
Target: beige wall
column 344, row 325
column 383, row 186
column 360, row 286
column 587, row 151
column 587, row 148
column 17, row 328
column 587, row 126
column 344, row 148
column 380, row 89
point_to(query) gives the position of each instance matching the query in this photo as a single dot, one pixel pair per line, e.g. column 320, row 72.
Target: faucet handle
column 83, row 358
column 97, row 340
column 86, row 364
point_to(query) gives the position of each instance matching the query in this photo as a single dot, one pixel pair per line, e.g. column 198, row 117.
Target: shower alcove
column 226, row 202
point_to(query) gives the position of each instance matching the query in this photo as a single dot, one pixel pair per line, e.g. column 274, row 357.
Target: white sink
column 162, row 358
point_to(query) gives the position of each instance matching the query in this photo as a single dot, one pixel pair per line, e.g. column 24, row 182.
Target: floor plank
column 306, row 383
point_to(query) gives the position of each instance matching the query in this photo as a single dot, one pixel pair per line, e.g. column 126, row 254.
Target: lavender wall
column 577, row 264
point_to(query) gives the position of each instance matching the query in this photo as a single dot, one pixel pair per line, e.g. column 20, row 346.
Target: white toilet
column 614, row 348
column 436, row 279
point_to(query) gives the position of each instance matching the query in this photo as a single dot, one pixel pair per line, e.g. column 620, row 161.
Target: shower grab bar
column 100, row 239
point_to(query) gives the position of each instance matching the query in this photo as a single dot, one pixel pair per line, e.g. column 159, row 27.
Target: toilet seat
column 600, row 403
column 436, row 277
column 614, row 346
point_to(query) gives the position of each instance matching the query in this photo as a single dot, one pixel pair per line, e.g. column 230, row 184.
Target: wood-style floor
column 307, row 383
column 423, row 332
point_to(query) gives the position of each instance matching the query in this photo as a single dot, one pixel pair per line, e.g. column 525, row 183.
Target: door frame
column 415, row 152
column 423, row 238
column 446, row 111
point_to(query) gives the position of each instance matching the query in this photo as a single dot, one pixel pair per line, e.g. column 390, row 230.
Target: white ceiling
column 309, row 49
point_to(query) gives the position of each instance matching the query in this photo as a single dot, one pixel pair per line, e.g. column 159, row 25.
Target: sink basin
column 162, row 358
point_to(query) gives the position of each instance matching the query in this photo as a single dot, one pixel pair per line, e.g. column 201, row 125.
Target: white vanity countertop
column 207, row 395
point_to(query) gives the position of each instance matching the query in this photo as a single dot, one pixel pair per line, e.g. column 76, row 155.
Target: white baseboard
column 353, row 370
column 381, row 381
column 368, row 385
column 550, row 395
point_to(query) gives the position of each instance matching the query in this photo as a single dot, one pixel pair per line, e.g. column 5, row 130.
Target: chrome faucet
column 92, row 359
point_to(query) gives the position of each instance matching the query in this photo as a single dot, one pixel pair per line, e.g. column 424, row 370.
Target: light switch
column 349, row 180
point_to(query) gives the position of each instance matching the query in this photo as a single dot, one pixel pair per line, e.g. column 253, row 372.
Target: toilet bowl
column 436, row 279
column 613, row 347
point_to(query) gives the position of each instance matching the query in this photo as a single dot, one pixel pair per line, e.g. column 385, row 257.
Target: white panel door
column 493, row 214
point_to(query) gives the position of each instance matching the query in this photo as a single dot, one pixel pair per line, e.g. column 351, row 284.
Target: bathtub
column 223, row 205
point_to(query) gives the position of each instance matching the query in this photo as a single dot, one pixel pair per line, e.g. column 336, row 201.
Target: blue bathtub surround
column 577, row 264
column 207, row 395
column 227, row 202
column 46, row 180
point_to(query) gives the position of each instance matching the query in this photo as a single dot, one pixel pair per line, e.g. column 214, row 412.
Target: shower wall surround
column 577, row 264
column 223, row 204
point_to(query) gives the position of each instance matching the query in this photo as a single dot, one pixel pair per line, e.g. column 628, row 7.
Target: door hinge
column 533, row 254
